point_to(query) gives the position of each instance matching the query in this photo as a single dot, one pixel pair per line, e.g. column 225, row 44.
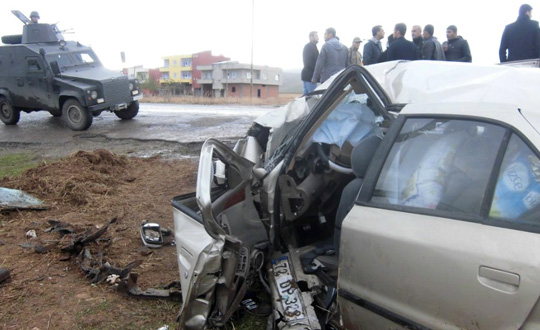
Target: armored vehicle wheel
column 8, row 114
column 77, row 117
column 131, row 111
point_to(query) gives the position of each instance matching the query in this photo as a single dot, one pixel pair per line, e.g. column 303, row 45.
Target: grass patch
column 15, row 164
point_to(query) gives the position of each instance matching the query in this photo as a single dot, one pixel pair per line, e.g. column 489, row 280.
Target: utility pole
column 252, row 34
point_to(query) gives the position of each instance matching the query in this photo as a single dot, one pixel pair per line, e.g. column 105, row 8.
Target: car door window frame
column 381, row 156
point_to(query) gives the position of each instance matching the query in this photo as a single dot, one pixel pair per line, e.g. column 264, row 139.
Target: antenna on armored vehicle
column 21, row 16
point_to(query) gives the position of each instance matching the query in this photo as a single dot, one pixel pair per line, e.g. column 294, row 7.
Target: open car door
column 216, row 232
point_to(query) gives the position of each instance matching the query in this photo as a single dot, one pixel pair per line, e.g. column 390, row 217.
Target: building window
column 233, row 74
column 166, row 63
column 265, row 76
column 164, row 75
column 208, row 75
column 248, row 75
column 277, row 77
column 175, row 63
column 186, row 74
column 174, row 75
column 186, row 62
column 233, row 89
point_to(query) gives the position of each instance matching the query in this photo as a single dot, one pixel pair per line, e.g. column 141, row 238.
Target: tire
column 77, row 117
column 56, row 113
column 8, row 114
column 129, row 113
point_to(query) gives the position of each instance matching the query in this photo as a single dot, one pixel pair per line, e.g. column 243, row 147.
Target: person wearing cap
column 34, row 17
column 521, row 39
column 355, row 58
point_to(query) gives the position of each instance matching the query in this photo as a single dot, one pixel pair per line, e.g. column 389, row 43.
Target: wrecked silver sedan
column 386, row 200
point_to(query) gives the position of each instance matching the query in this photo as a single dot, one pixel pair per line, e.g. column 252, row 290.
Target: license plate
column 288, row 290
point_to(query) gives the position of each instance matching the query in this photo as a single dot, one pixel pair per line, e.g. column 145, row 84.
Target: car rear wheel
column 77, row 117
column 131, row 111
column 8, row 114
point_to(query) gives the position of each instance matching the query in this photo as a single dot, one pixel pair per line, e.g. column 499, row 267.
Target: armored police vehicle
column 39, row 70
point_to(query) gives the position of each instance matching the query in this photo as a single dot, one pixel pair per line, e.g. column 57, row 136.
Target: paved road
column 170, row 122
column 164, row 125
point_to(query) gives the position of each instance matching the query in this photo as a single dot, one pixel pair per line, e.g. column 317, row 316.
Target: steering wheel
column 324, row 158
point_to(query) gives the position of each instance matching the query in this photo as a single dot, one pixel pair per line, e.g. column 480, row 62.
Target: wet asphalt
column 163, row 122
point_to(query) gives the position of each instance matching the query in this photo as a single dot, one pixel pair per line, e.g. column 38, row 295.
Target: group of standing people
column 520, row 40
column 334, row 56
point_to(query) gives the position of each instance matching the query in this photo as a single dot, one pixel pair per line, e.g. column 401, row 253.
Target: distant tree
column 150, row 85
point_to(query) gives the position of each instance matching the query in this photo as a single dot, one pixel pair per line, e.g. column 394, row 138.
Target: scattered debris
column 145, row 250
column 151, row 234
column 31, row 233
column 13, row 199
column 111, row 279
column 171, row 291
column 5, row 276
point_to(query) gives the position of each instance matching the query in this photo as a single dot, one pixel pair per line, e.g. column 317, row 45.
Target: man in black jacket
column 401, row 48
column 417, row 39
column 373, row 48
column 310, row 55
column 432, row 49
column 456, row 48
column 521, row 39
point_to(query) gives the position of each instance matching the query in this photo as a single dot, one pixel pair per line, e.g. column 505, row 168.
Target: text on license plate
column 288, row 289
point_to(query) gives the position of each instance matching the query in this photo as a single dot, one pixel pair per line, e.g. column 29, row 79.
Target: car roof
column 440, row 82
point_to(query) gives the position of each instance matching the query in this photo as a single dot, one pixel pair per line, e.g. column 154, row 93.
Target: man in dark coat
column 432, row 48
column 521, row 39
column 417, row 39
column 310, row 55
column 456, row 48
column 401, row 48
column 373, row 48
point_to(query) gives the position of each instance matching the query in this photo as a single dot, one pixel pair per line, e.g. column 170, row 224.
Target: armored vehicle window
column 33, row 65
column 84, row 58
column 62, row 59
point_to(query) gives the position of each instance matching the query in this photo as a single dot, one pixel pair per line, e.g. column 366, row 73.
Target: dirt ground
column 85, row 190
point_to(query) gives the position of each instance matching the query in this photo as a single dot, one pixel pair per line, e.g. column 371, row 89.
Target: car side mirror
column 55, row 68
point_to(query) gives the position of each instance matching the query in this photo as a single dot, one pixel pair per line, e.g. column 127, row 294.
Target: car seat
column 360, row 158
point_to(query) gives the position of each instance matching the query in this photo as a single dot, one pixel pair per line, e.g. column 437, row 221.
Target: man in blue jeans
column 310, row 55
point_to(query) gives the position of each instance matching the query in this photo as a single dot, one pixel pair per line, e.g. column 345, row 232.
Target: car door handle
column 498, row 279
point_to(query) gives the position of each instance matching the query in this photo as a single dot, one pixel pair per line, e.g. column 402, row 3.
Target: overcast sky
column 148, row 32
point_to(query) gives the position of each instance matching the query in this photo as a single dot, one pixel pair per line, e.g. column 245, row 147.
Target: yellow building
column 177, row 69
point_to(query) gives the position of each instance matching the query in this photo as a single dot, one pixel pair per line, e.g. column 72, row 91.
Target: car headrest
column 362, row 154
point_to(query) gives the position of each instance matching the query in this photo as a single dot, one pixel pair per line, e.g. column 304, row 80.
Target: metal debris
column 5, row 276
column 13, row 199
